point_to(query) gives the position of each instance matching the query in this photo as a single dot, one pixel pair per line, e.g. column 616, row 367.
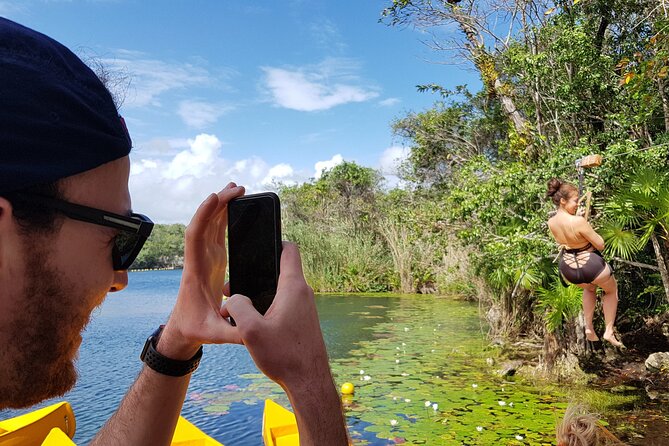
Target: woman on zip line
column 581, row 262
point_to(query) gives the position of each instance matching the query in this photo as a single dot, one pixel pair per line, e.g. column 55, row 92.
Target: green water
column 403, row 352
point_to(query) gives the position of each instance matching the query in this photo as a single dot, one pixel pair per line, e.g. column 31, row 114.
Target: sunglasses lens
column 125, row 245
column 128, row 244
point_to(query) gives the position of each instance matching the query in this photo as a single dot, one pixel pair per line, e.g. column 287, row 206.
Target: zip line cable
column 636, row 150
column 643, row 149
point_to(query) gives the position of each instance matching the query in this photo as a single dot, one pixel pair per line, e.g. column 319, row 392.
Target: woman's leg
column 589, row 301
column 608, row 283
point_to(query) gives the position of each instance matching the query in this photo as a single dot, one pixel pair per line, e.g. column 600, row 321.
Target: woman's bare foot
column 590, row 335
column 611, row 338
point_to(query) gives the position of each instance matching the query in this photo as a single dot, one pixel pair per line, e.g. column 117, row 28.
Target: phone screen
column 254, row 244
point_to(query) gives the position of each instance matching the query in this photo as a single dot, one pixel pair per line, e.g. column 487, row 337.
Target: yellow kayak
column 32, row 428
column 187, row 434
column 55, row 425
column 279, row 427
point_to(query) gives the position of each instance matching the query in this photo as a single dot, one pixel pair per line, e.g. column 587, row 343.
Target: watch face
column 146, row 347
column 150, row 341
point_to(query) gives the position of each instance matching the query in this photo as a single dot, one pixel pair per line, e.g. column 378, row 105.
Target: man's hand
column 196, row 318
column 286, row 343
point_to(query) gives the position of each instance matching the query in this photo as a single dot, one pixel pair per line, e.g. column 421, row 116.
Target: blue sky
column 257, row 92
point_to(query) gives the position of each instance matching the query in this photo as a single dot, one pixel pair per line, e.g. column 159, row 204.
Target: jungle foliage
column 585, row 77
column 563, row 80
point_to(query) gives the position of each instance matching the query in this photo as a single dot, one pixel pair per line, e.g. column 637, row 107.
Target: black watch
column 163, row 364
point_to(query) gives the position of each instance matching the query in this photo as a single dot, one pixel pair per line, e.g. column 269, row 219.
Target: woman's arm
column 585, row 230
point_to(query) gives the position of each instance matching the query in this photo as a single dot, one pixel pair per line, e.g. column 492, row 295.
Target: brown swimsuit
column 584, row 272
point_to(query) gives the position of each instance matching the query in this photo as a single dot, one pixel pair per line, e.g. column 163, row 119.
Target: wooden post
column 585, row 163
column 590, row 161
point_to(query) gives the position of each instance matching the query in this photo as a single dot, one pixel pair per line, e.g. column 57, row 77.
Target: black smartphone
column 254, row 247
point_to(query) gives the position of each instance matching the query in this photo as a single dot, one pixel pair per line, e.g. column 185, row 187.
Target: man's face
column 60, row 279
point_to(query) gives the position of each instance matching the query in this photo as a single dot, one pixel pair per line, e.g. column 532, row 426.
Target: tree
column 479, row 41
column 449, row 135
column 639, row 214
column 355, row 186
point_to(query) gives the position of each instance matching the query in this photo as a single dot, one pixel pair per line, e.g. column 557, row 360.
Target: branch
column 640, row 265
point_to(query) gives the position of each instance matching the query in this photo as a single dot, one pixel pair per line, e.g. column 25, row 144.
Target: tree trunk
column 485, row 63
column 598, row 123
column 661, row 264
column 665, row 102
column 519, row 122
column 579, row 328
column 539, row 120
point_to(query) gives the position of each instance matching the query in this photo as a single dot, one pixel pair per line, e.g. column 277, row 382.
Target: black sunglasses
column 135, row 229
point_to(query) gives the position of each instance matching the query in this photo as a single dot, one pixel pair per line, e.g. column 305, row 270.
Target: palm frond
column 648, row 180
column 663, row 211
column 620, row 241
column 500, row 278
column 558, row 304
column 648, row 229
column 527, row 278
column 622, row 208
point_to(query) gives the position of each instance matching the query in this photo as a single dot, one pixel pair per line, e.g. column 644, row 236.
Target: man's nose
column 120, row 281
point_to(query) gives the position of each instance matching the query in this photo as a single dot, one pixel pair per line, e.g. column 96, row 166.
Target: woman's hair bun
column 553, row 186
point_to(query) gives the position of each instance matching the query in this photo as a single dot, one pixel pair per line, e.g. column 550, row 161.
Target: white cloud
column 140, row 166
column 170, row 188
column 199, row 114
column 333, row 82
column 198, row 160
column 392, row 157
column 321, row 166
column 389, row 102
column 389, row 164
column 281, row 173
column 149, row 78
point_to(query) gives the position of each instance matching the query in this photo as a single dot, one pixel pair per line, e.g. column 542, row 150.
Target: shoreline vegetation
column 469, row 217
column 167, row 268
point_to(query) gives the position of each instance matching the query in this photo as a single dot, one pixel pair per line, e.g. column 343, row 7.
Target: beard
column 44, row 335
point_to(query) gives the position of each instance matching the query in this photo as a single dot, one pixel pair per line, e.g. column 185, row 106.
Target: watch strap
column 164, row 365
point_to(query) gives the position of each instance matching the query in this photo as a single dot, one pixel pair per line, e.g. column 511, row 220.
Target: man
column 68, row 236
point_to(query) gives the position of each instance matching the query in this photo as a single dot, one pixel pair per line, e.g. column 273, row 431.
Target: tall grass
column 341, row 260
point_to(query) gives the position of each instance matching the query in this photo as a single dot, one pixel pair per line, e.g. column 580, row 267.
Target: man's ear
column 6, row 211
column 7, row 228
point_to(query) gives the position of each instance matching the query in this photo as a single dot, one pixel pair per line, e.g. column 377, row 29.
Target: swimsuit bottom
column 584, row 272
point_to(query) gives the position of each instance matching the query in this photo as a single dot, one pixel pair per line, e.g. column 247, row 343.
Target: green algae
column 403, row 353
column 429, row 352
